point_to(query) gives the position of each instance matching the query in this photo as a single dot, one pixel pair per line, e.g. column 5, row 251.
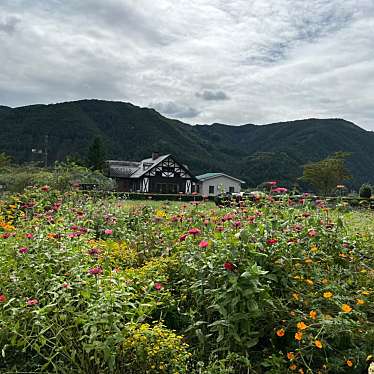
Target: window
column 231, row 189
column 211, row 189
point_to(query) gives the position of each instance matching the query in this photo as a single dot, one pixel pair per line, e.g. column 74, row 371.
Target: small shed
column 212, row 184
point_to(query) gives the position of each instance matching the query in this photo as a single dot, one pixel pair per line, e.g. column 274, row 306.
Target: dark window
column 231, row 189
column 211, row 189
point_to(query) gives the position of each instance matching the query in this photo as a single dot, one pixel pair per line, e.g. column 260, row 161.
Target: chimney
column 155, row 155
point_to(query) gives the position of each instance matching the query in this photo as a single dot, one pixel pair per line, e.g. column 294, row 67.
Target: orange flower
column 293, row 367
column 327, row 295
column 346, row 308
column 313, row 314
column 349, row 363
column 290, row 356
column 280, row 332
column 299, row 335
column 301, row 326
column 360, row 301
column 318, row 344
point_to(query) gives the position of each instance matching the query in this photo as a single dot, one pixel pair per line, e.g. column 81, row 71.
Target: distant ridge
column 249, row 152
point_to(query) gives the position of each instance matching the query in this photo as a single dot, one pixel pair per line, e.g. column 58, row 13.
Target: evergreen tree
column 96, row 155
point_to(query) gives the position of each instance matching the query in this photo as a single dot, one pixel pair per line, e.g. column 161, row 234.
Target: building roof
column 206, row 176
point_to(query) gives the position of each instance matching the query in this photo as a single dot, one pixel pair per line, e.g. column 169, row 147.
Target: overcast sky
column 201, row 61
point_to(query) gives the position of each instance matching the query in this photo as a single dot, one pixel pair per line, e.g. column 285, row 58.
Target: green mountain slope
column 250, row 152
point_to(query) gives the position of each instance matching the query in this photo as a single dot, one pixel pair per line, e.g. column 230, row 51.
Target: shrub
column 366, row 190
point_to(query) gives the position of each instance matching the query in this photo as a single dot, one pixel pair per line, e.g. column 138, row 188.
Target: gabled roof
column 206, row 176
column 152, row 163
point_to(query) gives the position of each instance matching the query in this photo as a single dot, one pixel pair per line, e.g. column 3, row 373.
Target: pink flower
column 66, row 285
column 312, row 233
column 271, row 241
column 194, row 231
column 23, row 250
column 74, row 228
column 31, row 302
column 158, row 286
column 108, row 232
column 203, row 244
column 94, row 251
column 272, row 183
column 237, row 224
column 29, row 236
column 220, row 228
column 206, row 222
column 280, row 190
column 97, row 270
column 2, row 298
column 229, row 266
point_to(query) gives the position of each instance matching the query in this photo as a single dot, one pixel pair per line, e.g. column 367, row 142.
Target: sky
column 200, row 61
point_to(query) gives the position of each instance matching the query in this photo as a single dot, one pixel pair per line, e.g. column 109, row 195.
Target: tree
column 4, row 160
column 326, row 174
column 96, row 155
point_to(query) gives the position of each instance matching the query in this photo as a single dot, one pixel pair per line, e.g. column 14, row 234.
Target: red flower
column 97, row 270
column 2, row 298
column 271, row 241
column 158, row 286
column 66, row 285
column 183, row 237
column 29, row 236
column 31, row 302
column 45, row 188
column 23, row 250
column 229, row 266
column 203, row 244
column 194, row 231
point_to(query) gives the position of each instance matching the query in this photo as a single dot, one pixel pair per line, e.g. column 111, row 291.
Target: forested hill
column 250, row 152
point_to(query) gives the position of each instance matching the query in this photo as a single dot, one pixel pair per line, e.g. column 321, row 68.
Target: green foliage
column 366, row 190
column 252, row 153
column 98, row 285
column 96, row 155
column 327, row 174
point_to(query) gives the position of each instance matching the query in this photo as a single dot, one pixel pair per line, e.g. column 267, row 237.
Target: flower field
column 97, row 285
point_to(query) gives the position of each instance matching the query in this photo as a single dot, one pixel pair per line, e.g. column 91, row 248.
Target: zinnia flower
column 194, row 231
column 280, row 332
column 312, row 233
column 271, row 241
column 31, row 302
column 94, row 251
column 346, row 308
column 298, row 335
column 29, row 236
column 203, row 244
column 327, row 295
column 290, row 356
column 301, row 326
column 2, row 298
column 229, row 266
column 318, row 344
column 158, row 286
column 45, row 188
column 360, row 302
column 313, row 314
column 183, row 237
column 108, row 232
column 23, row 250
column 97, row 270
column 349, row 363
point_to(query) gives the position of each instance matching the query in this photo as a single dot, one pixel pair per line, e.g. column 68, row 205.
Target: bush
column 366, row 190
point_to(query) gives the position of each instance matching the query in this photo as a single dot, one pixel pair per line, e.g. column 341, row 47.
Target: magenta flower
column 31, row 302
column 97, row 270
column 203, row 244
column 23, row 250
column 158, row 286
column 237, row 224
column 271, row 241
column 108, row 232
column 183, row 237
column 194, row 231
column 280, row 190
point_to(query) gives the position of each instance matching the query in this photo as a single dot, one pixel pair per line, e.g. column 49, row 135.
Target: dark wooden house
column 158, row 174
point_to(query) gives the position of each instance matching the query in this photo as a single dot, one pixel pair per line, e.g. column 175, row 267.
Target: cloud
column 273, row 59
column 212, row 95
column 8, row 24
column 173, row 109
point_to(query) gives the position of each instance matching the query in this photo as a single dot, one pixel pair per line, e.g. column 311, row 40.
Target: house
column 157, row 174
column 212, row 184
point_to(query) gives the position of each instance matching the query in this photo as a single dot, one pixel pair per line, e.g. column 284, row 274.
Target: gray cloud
column 212, row 95
column 173, row 109
column 277, row 59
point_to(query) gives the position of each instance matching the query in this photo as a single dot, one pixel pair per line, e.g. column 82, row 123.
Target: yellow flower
column 302, row 326
column 299, row 335
column 313, row 314
column 318, row 344
column 327, row 295
column 346, row 308
column 349, row 363
column 296, row 296
column 309, row 261
column 365, row 293
column 290, row 356
column 360, row 301
column 325, row 281
column 309, row 282
column 280, row 332
column 314, row 248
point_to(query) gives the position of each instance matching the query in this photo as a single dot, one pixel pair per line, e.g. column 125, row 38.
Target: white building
column 212, row 184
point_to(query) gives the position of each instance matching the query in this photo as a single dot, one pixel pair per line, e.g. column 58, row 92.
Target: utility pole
column 46, row 151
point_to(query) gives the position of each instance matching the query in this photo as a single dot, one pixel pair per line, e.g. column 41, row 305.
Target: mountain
column 251, row 152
